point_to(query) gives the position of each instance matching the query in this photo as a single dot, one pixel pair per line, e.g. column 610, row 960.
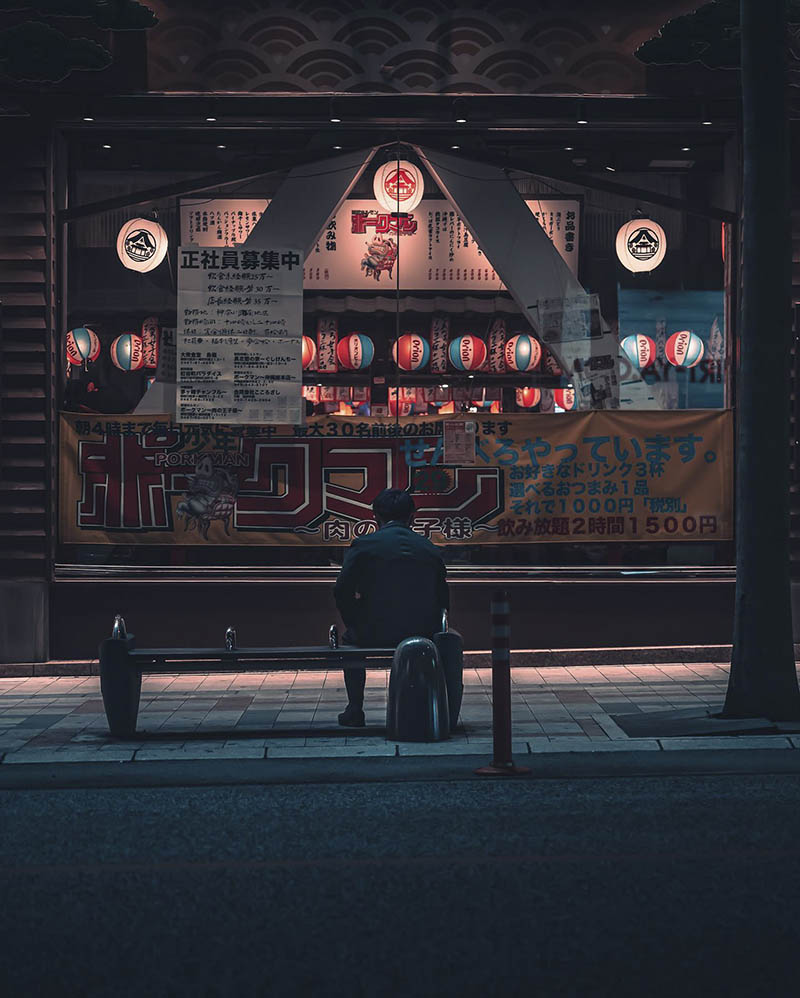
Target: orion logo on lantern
column 639, row 349
column 83, row 346
column 127, row 352
column 523, row 353
column 411, row 352
column 684, row 349
column 467, row 353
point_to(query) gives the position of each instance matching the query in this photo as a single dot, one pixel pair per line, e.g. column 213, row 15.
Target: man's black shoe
column 352, row 717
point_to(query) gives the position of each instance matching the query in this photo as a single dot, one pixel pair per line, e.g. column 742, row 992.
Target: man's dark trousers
column 392, row 586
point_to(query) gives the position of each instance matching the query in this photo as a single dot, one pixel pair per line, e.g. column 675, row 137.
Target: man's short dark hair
column 394, row 504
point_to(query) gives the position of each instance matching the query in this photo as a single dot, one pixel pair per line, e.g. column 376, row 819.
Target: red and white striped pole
column 502, row 763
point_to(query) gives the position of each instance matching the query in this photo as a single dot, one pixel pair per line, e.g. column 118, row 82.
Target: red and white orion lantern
column 83, row 346
column 127, row 353
column 564, row 398
column 639, row 349
column 141, row 244
column 523, row 353
column 309, row 354
column 467, row 353
column 527, row 398
column 398, row 186
column 411, row 352
column 355, row 352
column 684, row 349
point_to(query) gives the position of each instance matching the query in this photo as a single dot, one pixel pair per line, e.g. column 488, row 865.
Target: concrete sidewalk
column 292, row 715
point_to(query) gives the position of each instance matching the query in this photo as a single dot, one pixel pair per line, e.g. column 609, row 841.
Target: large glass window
column 404, row 320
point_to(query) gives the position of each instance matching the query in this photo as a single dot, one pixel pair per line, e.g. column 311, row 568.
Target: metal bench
column 122, row 666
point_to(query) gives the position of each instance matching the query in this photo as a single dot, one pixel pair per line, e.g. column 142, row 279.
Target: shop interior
column 381, row 325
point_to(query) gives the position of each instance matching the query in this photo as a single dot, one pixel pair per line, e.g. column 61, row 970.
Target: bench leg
column 450, row 646
column 121, row 685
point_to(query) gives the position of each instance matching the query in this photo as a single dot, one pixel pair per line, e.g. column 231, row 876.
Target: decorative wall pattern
column 403, row 46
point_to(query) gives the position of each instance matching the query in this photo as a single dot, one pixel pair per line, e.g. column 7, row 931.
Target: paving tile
column 594, row 745
column 728, row 742
column 327, row 752
column 479, row 747
column 50, row 755
column 222, row 750
column 611, row 728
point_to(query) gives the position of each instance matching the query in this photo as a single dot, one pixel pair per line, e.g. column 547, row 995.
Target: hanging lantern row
column 682, row 349
column 129, row 351
column 409, row 401
column 412, row 352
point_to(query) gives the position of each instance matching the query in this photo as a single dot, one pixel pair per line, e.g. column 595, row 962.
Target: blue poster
column 685, row 360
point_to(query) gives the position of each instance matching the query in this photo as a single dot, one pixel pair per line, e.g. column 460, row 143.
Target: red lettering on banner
column 372, row 467
column 283, row 492
column 122, row 488
column 382, row 223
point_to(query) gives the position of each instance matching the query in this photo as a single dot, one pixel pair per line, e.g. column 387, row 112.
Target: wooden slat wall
column 794, row 460
column 796, row 255
column 26, row 361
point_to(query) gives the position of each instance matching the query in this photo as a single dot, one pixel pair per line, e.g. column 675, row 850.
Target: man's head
column 393, row 505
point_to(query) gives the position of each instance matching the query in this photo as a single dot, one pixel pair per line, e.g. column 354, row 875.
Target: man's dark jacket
column 401, row 580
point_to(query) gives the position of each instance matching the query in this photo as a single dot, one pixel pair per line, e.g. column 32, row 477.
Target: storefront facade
column 540, row 348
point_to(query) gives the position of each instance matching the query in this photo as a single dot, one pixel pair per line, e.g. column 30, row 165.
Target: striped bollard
column 502, row 763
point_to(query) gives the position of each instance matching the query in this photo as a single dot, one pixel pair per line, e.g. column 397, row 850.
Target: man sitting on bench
column 392, row 586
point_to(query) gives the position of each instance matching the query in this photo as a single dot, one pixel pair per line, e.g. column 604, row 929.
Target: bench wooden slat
column 174, row 666
column 316, row 658
column 321, row 652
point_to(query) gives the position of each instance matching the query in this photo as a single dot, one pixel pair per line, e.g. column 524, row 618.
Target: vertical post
column 763, row 679
column 502, row 762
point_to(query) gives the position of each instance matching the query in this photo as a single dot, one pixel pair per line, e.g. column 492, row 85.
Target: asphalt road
column 652, row 886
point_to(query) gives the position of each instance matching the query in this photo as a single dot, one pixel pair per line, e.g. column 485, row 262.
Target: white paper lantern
column 398, row 186
column 641, row 245
column 141, row 244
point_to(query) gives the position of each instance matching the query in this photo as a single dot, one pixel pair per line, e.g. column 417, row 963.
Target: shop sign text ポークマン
column 576, row 477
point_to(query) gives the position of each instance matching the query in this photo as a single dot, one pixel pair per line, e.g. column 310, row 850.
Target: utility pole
column 763, row 681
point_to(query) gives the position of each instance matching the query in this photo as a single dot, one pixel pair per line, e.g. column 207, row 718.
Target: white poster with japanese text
column 219, row 221
column 360, row 246
column 239, row 335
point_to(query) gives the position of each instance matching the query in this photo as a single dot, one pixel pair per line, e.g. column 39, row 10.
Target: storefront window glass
column 406, row 324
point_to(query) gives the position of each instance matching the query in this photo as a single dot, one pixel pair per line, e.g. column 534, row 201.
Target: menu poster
column 440, row 338
column 239, row 335
column 497, row 343
column 433, row 247
column 219, row 221
column 361, row 245
column 459, row 442
column 327, row 329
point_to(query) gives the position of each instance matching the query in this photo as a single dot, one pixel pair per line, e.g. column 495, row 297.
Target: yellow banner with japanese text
column 577, row 477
